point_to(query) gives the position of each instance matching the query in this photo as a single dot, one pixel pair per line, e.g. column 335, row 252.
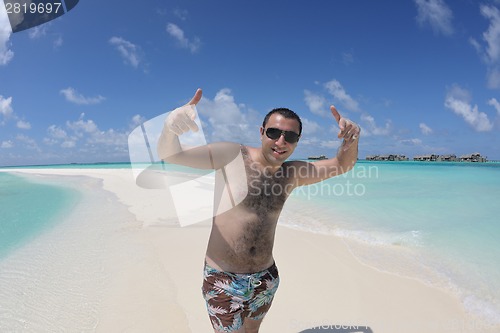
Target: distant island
column 474, row 157
column 319, row 157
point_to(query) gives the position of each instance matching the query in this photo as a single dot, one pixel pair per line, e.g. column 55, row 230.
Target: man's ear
column 261, row 130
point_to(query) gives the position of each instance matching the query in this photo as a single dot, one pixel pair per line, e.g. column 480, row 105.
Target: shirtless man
column 240, row 276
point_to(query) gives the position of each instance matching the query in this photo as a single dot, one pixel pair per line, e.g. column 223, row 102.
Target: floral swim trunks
column 232, row 297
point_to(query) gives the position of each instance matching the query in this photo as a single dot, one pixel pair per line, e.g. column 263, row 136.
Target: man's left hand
column 349, row 130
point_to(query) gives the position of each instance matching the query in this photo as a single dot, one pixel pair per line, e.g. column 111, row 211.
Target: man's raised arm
column 182, row 120
column 178, row 121
column 347, row 154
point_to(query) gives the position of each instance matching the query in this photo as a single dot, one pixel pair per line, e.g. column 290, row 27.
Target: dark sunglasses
column 275, row 133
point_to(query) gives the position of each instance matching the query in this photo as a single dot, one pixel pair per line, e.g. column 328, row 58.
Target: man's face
column 276, row 151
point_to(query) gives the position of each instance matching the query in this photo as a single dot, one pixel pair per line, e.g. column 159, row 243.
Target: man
column 240, row 276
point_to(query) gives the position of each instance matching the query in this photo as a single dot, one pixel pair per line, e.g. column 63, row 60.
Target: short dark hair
column 287, row 113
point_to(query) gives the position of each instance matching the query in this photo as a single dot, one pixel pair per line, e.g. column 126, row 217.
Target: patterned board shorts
column 232, row 297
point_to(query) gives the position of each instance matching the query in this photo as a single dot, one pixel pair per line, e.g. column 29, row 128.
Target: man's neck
column 265, row 163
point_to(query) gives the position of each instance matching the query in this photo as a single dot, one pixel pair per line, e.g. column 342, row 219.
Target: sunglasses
column 275, row 133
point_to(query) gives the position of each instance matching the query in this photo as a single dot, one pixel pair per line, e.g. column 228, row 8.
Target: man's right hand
column 181, row 120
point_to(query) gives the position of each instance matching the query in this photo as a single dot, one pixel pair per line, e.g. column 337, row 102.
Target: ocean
column 436, row 222
column 58, row 249
column 27, row 208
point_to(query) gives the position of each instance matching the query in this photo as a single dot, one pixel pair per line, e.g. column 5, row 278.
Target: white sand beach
column 154, row 284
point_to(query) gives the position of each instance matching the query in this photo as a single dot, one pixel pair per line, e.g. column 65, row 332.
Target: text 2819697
column 33, row 8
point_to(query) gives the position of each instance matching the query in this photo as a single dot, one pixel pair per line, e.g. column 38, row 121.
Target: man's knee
column 252, row 325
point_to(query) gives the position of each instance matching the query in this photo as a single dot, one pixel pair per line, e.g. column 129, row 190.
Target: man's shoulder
column 222, row 153
column 250, row 152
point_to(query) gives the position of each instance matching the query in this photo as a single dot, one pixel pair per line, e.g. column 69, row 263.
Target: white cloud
column 316, row 103
column 493, row 78
column 490, row 50
column 59, row 136
column 68, row 144
column 310, row 127
column 492, row 35
column 23, row 124
column 6, row 54
column 338, row 92
column 161, row 11
column 58, row 41
column 370, row 126
column 347, row 58
column 425, row 129
column 6, row 106
column 182, row 14
column 82, row 126
column 28, row 142
column 38, row 31
column 458, row 101
column 435, row 13
column 49, row 141
column 178, row 34
column 129, row 51
column 88, row 130
column 7, row 112
column 411, row 142
column 493, row 102
column 56, row 132
column 137, row 120
column 229, row 121
column 475, row 44
column 73, row 96
column 7, row 144
column 84, row 136
column 308, row 140
column 110, row 137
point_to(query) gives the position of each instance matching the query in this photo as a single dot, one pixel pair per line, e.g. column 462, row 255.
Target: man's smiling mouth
column 278, row 151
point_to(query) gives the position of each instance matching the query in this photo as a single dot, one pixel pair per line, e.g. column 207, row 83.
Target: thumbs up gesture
column 181, row 120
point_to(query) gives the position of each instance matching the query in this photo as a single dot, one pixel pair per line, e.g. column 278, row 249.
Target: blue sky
column 418, row 76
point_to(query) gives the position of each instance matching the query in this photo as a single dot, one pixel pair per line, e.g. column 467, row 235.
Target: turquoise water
column 445, row 216
column 122, row 165
column 28, row 208
column 62, row 240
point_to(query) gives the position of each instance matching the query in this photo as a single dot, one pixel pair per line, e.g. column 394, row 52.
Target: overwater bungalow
column 390, row 157
column 426, row 158
column 474, row 157
column 448, row 158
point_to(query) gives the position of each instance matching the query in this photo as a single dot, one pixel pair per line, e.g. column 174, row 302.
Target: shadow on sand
column 338, row 329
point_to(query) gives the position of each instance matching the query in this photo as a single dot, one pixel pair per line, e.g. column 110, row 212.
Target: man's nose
column 281, row 140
